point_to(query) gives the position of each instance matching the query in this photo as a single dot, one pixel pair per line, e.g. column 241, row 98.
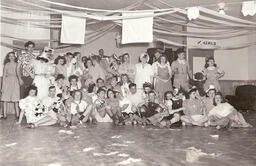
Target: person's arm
column 189, row 71
column 19, row 75
column 221, row 73
column 4, row 77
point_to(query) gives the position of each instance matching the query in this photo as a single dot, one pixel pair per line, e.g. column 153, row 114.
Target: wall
column 21, row 31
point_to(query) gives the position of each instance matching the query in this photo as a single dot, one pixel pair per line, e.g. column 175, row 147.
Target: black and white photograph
column 128, row 83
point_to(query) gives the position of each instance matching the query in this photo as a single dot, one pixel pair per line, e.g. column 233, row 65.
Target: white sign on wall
column 202, row 43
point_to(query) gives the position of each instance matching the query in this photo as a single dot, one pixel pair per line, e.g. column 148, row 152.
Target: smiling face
column 124, row 78
column 211, row 94
column 11, row 57
column 169, row 96
column 61, row 61
column 192, row 95
column 211, row 62
column 126, row 58
column 30, row 48
column 52, row 92
column 133, row 89
column 89, row 63
column 73, row 82
column 163, row 60
column 32, row 93
column 101, row 94
column 77, row 95
column 181, row 55
column 111, row 95
column 218, row 99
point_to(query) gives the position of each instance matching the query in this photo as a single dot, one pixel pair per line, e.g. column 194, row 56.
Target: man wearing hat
column 181, row 71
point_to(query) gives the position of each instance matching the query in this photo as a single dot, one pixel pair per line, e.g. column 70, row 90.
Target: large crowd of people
column 72, row 89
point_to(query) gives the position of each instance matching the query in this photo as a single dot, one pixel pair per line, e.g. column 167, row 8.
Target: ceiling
column 232, row 7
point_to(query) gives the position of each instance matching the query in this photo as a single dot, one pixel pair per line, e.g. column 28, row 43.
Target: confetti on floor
column 123, row 155
column 193, row 154
column 69, row 132
column 116, row 144
column 215, row 136
column 129, row 161
column 11, row 144
column 88, row 149
column 116, row 136
column 129, row 142
column 105, row 154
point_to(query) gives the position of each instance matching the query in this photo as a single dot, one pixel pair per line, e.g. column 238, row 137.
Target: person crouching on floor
column 36, row 113
column 194, row 110
column 151, row 111
column 80, row 110
column 100, row 108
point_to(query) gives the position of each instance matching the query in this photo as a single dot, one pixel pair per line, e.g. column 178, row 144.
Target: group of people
column 72, row 89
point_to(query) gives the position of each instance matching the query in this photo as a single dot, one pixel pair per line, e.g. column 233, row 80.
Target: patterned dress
column 10, row 87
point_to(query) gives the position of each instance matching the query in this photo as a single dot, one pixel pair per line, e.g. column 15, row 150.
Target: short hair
column 159, row 59
column 76, row 53
column 166, row 93
column 51, row 87
column 152, row 92
column 72, row 77
column 59, row 76
column 29, row 43
column 56, row 61
column 43, row 59
column 147, row 84
column 91, row 87
column 132, row 85
column 101, row 90
column 32, row 87
column 99, row 80
column 110, row 90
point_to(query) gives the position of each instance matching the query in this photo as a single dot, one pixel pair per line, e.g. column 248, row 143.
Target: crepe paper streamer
column 193, row 154
column 129, row 161
column 54, row 164
column 193, row 13
column 116, row 136
column 215, row 136
column 88, row 149
column 210, row 143
column 96, row 10
column 123, row 155
column 106, row 154
column 38, row 148
column 11, row 144
column 130, row 142
column 69, row 132
column 249, row 8
column 116, row 144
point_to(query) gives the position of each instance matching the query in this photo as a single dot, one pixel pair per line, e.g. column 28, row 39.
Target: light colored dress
column 128, row 69
column 29, row 104
column 41, row 81
column 211, row 74
column 143, row 74
column 10, row 87
column 163, row 85
column 180, row 68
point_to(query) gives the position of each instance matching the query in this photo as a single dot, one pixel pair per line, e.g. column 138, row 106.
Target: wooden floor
column 105, row 144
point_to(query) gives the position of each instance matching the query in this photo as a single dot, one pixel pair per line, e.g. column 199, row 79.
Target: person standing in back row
column 181, row 71
column 24, row 62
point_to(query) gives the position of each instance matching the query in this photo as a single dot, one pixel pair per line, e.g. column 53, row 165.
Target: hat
column 193, row 89
column 211, row 87
column 180, row 50
column 143, row 54
column 43, row 56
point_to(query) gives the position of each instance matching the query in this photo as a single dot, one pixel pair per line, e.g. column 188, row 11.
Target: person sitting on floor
column 224, row 114
column 194, row 110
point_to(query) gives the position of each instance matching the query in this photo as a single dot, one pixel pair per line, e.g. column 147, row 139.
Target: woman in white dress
column 143, row 72
column 41, row 77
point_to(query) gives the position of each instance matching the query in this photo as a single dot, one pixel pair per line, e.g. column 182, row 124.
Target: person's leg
column 17, row 111
column 5, row 109
column 21, row 116
column 186, row 120
column 176, row 118
column 46, row 121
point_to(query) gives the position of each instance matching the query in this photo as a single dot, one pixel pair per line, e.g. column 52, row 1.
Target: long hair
column 56, row 61
column 208, row 59
column 7, row 59
column 222, row 98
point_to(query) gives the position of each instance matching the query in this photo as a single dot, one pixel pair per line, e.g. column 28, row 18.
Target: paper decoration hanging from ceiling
column 249, row 8
column 72, row 30
column 138, row 30
column 193, row 13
